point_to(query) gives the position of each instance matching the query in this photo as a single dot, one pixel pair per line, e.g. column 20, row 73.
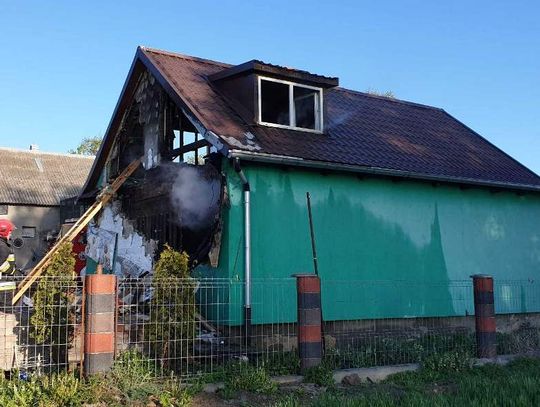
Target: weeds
column 248, row 378
column 456, row 361
column 320, row 375
column 393, row 351
column 132, row 374
column 282, row 363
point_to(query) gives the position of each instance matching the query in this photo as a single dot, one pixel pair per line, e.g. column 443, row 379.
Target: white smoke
column 195, row 197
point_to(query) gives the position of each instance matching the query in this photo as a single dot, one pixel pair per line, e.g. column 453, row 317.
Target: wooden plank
column 101, row 200
column 189, row 147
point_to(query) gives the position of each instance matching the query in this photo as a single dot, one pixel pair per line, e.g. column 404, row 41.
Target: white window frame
column 292, row 113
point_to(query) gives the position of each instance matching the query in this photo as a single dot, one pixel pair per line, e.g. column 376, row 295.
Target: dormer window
column 290, row 105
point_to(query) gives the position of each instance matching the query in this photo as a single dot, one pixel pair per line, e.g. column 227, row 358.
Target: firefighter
column 7, row 258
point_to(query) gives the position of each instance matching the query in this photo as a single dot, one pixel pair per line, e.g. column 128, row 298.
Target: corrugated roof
column 30, row 177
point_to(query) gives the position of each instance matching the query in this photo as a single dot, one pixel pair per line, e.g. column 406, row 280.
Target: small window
column 29, row 232
column 286, row 104
column 3, row 209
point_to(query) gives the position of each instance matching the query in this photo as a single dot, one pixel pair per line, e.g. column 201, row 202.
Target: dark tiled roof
column 361, row 130
column 39, row 178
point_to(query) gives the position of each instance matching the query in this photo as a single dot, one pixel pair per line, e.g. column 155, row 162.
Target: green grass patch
column 245, row 377
column 443, row 383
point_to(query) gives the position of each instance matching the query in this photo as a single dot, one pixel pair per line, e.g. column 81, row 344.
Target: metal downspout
column 247, row 250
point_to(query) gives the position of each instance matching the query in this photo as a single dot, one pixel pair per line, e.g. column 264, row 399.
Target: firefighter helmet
column 6, row 227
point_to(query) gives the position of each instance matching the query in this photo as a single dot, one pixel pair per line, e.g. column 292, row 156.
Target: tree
column 88, row 146
column 388, row 94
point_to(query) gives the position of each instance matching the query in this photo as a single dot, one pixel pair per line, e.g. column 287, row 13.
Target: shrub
column 52, row 321
column 172, row 309
column 62, row 389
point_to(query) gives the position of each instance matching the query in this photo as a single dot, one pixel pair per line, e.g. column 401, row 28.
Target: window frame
column 319, row 118
column 24, row 232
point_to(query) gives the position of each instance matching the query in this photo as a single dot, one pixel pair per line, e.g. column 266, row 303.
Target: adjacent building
column 33, row 184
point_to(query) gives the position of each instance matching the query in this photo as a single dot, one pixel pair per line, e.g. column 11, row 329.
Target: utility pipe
column 247, row 250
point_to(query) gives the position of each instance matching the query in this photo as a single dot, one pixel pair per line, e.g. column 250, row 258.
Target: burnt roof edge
column 300, row 162
column 143, row 61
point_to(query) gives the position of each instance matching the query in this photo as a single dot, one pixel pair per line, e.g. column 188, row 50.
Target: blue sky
column 63, row 63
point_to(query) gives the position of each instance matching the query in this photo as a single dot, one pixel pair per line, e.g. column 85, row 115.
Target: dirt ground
column 305, row 390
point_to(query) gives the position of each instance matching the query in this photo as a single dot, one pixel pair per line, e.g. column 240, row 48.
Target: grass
column 396, row 350
column 517, row 384
column 131, row 382
column 245, row 377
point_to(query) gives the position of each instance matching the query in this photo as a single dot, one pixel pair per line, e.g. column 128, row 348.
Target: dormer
column 275, row 96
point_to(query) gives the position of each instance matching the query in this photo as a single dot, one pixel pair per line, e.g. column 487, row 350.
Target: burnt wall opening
column 178, row 204
column 175, row 196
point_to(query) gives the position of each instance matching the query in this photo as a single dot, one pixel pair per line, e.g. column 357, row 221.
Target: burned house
column 33, row 185
column 400, row 191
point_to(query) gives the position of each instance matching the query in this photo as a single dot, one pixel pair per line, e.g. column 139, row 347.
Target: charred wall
column 166, row 200
column 177, row 204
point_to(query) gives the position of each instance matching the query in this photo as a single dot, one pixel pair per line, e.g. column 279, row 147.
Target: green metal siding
column 378, row 230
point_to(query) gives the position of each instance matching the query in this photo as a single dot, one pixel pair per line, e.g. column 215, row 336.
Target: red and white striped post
column 310, row 346
column 99, row 323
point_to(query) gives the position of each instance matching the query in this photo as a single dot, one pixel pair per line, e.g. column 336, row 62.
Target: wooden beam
column 102, row 199
column 188, row 147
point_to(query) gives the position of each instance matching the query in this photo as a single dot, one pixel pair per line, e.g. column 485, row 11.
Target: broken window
column 287, row 104
column 275, row 103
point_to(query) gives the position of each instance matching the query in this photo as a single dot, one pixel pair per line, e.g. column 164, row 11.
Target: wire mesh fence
column 395, row 322
column 192, row 327
column 43, row 332
column 517, row 306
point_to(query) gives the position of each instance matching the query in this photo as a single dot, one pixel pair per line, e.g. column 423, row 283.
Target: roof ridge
column 20, row 150
column 184, row 56
column 390, row 99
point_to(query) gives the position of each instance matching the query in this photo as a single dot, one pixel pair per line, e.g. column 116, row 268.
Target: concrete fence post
column 99, row 323
column 484, row 314
column 310, row 349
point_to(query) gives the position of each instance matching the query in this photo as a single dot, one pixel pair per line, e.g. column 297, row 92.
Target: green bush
column 53, row 319
column 63, row 389
column 172, row 309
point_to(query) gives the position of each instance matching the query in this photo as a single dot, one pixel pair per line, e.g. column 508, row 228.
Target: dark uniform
column 7, row 258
